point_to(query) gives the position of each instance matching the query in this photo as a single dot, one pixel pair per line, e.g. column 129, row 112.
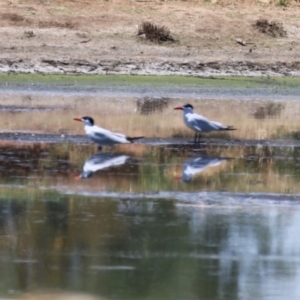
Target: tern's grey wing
column 218, row 125
column 104, row 139
column 200, row 123
column 207, row 125
column 121, row 135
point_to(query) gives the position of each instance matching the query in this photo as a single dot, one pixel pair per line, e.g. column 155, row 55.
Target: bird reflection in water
column 101, row 161
column 199, row 164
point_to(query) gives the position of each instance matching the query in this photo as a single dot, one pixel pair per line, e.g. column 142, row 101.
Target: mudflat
column 100, row 37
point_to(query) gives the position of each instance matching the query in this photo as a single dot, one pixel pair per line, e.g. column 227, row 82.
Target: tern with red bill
column 200, row 124
column 104, row 137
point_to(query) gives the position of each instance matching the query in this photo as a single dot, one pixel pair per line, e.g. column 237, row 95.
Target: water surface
column 156, row 220
column 135, row 228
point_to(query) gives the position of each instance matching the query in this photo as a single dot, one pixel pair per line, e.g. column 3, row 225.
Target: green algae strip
column 24, row 192
column 98, row 80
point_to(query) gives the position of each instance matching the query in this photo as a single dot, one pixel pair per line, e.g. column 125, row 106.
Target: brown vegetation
column 12, row 17
column 55, row 24
column 273, row 28
column 155, row 33
column 150, row 105
column 29, row 34
column 269, row 110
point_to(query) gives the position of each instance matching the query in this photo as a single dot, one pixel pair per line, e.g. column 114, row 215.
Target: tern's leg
column 199, row 137
column 195, row 138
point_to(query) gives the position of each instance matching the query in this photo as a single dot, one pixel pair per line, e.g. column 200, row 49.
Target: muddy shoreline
column 191, row 67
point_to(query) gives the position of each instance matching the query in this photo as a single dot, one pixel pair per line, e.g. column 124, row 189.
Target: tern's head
column 86, row 120
column 186, row 108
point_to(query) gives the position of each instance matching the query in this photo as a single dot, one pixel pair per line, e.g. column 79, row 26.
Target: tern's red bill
column 78, row 119
column 179, row 107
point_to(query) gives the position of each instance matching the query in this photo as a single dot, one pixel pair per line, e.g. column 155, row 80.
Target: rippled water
column 151, row 220
column 137, row 227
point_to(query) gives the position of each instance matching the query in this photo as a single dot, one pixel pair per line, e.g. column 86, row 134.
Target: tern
column 200, row 124
column 198, row 164
column 101, row 161
column 104, row 137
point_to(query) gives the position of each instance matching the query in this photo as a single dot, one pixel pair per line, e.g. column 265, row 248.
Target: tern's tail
column 132, row 139
column 228, row 128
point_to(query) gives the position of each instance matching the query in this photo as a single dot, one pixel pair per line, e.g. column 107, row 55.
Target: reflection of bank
column 196, row 165
column 101, row 161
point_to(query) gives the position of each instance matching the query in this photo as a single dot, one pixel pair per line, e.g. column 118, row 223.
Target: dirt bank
column 100, row 37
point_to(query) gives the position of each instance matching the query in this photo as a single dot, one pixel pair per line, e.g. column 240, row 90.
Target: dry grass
column 114, row 115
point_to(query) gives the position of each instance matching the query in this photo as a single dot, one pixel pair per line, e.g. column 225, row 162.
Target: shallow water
column 136, row 228
column 153, row 220
column 149, row 249
column 146, row 169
